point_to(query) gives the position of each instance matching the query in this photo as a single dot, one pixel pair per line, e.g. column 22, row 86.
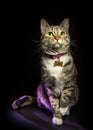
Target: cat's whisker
column 39, row 51
column 73, row 43
column 36, row 41
column 75, row 48
column 37, row 46
column 71, row 51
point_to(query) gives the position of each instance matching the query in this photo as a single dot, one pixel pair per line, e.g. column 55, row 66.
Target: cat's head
column 55, row 39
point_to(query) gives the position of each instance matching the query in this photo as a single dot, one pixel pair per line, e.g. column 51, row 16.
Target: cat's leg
column 50, row 86
column 65, row 106
column 23, row 101
column 57, row 116
column 65, row 110
column 69, row 98
column 50, row 102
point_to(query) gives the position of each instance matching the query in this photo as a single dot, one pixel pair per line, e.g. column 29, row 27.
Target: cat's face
column 55, row 39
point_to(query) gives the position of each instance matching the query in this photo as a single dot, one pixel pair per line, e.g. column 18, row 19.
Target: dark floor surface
column 33, row 118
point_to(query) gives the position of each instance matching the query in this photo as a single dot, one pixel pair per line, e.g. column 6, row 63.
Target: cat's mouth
column 57, row 46
column 54, row 49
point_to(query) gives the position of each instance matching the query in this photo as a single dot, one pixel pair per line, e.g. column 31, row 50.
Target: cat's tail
column 23, row 101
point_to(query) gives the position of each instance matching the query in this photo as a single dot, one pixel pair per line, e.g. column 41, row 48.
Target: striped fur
column 58, row 90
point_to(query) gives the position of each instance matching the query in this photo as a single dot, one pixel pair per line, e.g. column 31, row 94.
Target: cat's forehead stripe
column 55, row 29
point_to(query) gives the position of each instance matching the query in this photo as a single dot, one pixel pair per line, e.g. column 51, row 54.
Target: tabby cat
column 58, row 90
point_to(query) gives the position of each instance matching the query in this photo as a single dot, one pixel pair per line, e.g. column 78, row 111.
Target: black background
column 22, row 63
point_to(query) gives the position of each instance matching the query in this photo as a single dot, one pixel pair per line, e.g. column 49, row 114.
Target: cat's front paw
column 57, row 121
column 64, row 111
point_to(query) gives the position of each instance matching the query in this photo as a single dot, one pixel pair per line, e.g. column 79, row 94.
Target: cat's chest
column 55, row 66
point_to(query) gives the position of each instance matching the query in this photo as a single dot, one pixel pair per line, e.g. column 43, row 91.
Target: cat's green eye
column 62, row 33
column 50, row 33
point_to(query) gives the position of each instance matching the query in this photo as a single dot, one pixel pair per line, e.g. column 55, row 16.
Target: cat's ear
column 44, row 25
column 65, row 24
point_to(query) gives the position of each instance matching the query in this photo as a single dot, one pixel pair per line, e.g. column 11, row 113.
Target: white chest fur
column 55, row 70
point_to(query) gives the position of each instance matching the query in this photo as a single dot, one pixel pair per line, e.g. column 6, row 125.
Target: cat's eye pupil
column 50, row 33
column 62, row 33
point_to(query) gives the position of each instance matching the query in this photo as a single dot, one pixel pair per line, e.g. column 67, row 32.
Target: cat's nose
column 57, row 37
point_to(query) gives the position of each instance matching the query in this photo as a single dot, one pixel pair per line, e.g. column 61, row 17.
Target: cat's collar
column 55, row 56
